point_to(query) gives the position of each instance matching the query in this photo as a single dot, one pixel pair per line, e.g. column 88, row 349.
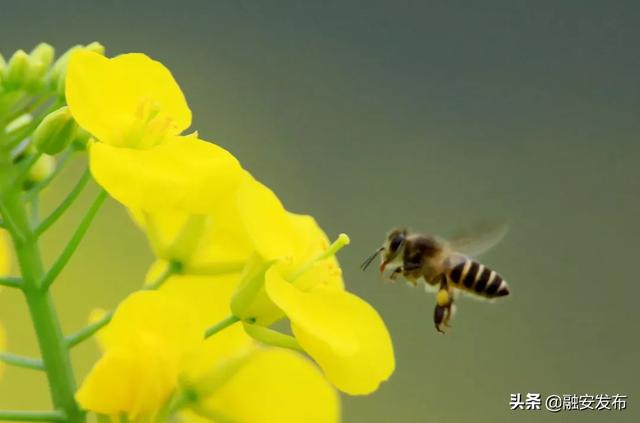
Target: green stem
column 66, row 203
column 10, row 225
column 223, row 324
column 53, row 348
column 20, row 361
column 88, row 331
column 272, row 337
column 11, row 282
column 71, row 247
column 33, row 416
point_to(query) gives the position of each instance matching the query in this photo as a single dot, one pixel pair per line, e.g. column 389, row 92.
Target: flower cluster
column 205, row 338
column 198, row 340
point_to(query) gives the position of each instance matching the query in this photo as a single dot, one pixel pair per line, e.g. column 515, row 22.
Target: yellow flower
column 155, row 350
column 272, row 385
column 146, row 343
column 343, row 333
column 128, row 101
column 136, row 112
column 200, row 243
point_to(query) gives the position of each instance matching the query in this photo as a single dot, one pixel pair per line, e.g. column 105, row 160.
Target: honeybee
column 445, row 265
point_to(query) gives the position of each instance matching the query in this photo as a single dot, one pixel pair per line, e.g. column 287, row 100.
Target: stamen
column 342, row 241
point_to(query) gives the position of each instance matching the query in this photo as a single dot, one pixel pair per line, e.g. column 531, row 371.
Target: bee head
column 393, row 246
column 394, row 243
column 391, row 249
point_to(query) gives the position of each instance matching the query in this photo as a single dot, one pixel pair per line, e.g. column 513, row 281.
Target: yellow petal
column 275, row 385
column 136, row 380
column 324, row 273
column 184, row 173
column 310, row 238
column 198, row 242
column 108, row 97
column 5, row 255
column 208, row 297
column 266, row 221
column 342, row 333
column 154, row 312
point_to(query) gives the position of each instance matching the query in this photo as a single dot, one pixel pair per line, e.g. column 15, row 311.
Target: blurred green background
column 431, row 115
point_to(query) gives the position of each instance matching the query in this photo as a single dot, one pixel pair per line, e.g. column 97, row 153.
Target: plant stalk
column 53, row 348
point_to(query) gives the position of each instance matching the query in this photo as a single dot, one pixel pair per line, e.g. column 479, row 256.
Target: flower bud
column 3, row 67
column 81, row 140
column 41, row 170
column 17, row 70
column 95, row 47
column 43, row 53
column 59, row 70
column 56, row 131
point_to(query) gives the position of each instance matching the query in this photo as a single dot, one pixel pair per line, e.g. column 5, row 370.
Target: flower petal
column 136, row 380
column 275, row 385
column 184, row 173
column 155, row 313
column 105, row 95
column 5, row 255
column 266, row 221
column 342, row 333
column 209, row 298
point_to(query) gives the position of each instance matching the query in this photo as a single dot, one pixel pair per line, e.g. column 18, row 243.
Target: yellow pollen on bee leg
column 442, row 297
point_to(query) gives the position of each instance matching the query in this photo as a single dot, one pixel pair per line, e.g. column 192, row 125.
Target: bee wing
column 478, row 239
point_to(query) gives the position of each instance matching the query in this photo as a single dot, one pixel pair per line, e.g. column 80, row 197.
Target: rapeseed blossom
column 302, row 280
column 136, row 112
column 154, row 351
column 343, row 333
column 197, row 341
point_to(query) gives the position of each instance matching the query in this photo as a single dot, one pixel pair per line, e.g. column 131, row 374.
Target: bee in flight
column 445, row 265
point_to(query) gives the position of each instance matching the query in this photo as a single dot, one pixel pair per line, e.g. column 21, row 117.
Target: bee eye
column 396, row 242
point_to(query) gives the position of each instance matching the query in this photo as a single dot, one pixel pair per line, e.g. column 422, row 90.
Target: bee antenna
column 369, row 259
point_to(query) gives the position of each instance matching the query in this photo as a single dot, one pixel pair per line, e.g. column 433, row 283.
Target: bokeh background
column 432, row 115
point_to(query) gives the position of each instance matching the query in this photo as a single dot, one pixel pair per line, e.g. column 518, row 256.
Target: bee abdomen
column 475, row 277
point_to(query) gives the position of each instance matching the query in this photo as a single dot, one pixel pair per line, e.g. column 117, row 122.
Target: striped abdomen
column 475, row 277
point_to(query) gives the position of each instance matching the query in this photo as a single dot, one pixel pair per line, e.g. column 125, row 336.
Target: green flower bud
column 59, row 70
column 44, row 53
column 82, row 138
column 41, row 170
column 95, row 47
column 17, row 70
column 3, row 68
column 56, row 131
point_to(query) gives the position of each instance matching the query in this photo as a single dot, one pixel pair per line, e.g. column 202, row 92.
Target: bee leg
column 450, row 312
column 444, row 298
column 396, row 272
column 438, row 317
